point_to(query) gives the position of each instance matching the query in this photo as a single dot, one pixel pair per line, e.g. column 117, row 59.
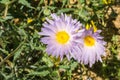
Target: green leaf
column 46, row 11
column 24, row 2
column 5, row 2
column 52, row 7
column 42, row 73
column 6, row 18
column 18, row 50
column 55, row 75
column 73, row 65
column 4, row 51
column 47, row 61
column 3, row 75
column 65, row 10
column 22, row 33
column 1, row 19
column 64, row 2
column 82, row 1
column 41, row 2
column 64, row 66
column 17, row 54
column 84, row 14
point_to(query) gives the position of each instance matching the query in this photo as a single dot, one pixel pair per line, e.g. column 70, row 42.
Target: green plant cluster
column 23, row 56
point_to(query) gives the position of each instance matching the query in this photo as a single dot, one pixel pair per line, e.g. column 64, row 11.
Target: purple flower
column 60, row 34
column 92, row 46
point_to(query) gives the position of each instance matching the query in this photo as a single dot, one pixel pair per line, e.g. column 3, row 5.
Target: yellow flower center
column 89, row 41
column 62, row 37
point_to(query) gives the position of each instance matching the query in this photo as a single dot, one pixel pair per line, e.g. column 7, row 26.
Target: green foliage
column 25, row 3
column 23, row 56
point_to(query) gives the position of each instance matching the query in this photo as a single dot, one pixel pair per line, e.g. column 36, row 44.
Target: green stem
column 6, row 10
column 69, row 73
column 59, row 75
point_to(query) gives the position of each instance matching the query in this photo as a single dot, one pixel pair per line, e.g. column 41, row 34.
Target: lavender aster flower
column 92, row 47
column 59, row 33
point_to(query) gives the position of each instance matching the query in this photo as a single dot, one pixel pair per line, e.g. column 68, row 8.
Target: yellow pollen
column 62, row 37
column 89, row 41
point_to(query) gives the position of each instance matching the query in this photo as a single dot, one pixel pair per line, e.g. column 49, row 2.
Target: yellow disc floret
column 89, row 41
column 62, row 37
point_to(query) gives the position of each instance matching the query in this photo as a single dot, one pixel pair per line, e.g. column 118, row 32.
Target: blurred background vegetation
column 23, row 56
